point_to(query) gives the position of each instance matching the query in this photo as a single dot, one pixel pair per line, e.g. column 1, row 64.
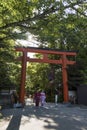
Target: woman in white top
column 42, row 98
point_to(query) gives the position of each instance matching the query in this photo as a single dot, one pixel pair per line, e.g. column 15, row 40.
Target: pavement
column 49, row 117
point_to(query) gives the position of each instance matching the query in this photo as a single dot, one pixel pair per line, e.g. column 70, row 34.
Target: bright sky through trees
column 29, row 42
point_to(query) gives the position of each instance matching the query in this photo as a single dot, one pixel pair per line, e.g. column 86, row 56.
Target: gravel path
column 49, row 117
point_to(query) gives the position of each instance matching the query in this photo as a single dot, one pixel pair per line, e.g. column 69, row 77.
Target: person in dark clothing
column 37, row 98
column 14, row 97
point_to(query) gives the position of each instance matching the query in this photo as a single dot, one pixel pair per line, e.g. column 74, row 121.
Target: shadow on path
column 45, row 118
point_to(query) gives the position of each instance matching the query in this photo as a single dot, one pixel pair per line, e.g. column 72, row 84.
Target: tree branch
column 40, row 16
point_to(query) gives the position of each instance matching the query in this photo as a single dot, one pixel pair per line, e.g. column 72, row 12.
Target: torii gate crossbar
column 45, row 52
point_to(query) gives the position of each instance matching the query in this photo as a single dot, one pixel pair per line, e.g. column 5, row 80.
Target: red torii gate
column 45, row 51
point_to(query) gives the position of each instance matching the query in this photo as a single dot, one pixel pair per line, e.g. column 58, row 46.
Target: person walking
column 37, row 98
column 42, row 98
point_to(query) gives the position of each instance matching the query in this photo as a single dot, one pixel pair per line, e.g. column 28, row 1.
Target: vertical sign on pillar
column 64, row 75
column 23, row 77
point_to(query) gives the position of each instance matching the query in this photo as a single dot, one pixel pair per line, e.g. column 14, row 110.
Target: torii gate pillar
column 23, row 78
column 65, row 79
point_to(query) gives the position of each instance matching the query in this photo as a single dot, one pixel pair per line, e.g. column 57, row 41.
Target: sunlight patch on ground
column 35, row 123
column 5, row 123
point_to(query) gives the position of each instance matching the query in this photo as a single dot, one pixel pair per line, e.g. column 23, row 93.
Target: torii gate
column 45, row 51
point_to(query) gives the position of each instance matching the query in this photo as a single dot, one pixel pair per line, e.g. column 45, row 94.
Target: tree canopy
column 35, row 15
